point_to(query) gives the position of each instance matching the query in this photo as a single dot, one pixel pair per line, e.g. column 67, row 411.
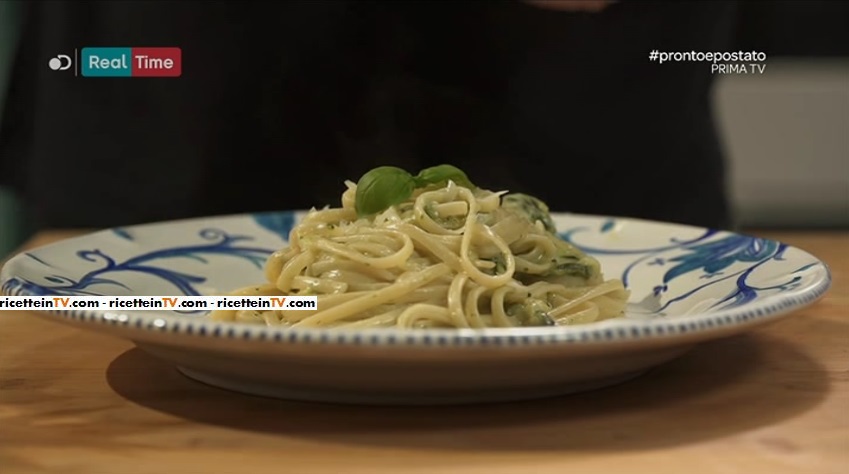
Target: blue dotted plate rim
column 605, row 332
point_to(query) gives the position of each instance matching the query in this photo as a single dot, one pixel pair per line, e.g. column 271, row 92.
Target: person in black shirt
column 279, row 103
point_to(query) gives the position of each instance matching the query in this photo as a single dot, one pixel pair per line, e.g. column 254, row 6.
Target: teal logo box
column 106, row 62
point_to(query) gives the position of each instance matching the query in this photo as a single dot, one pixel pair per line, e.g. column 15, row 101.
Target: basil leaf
column 441, row 174
column 382, row 188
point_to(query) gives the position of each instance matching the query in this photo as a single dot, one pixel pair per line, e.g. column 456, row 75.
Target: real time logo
column 131, row 62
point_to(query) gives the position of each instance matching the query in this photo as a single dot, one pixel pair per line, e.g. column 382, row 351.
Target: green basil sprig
column 386, row 186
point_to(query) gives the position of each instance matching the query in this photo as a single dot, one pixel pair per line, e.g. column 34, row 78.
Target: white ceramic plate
column 688, row 285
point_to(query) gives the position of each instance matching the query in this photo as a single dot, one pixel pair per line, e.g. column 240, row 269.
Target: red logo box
column 157, row 62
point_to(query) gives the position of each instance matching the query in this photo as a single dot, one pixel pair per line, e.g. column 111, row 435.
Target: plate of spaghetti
column 429, row 290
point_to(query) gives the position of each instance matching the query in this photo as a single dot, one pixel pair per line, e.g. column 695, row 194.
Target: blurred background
column 786, row 131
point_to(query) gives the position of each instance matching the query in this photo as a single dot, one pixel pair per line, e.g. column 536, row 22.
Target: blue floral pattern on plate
column 712, row 256
column 111, row 274
column 219, row 242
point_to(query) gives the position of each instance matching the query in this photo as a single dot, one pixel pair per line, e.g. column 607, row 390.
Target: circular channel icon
column 60, row 63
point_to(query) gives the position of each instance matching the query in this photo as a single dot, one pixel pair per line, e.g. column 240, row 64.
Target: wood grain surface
column 775, row 400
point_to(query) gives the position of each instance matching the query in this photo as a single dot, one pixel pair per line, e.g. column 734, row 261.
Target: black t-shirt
column 279, row 103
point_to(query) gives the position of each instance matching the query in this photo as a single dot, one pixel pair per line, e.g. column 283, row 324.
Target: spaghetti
column 448, row 256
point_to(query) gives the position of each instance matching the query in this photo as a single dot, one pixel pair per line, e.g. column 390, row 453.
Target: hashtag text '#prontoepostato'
column 709, row 56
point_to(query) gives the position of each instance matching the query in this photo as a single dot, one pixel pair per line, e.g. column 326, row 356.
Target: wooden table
column 772, row 401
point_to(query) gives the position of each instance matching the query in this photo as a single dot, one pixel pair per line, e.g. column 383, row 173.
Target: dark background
column 794, row 28
column 812, row 29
